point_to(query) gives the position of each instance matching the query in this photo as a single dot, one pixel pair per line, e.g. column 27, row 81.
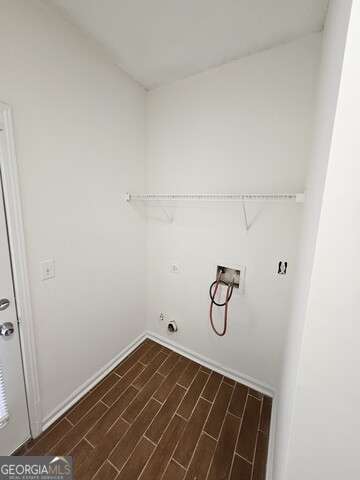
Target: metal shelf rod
column 242, row 197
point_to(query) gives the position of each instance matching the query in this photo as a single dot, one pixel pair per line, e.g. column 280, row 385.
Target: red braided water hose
column 228, row 295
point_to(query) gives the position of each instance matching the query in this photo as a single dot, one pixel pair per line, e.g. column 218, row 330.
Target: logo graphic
column 36, row 468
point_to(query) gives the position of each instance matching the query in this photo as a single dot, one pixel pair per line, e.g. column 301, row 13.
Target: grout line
column 205, row 400
column 178, row 414
column 149, row 439
column 86, row 440
column 98, row 470
column 208, row 435
column 107, row 459
column 243, row 458
column 256, row 398
column 232, row 415
column 175, row 461
column 156, row 400
column 71, row 423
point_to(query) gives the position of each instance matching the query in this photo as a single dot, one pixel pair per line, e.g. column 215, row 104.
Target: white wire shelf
column 242, row 197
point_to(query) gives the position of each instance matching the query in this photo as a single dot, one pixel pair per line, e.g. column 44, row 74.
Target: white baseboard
column 207, row 362
column 89, row 384
column 271, row 447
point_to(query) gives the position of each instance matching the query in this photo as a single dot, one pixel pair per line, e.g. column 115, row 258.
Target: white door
column 14, row 422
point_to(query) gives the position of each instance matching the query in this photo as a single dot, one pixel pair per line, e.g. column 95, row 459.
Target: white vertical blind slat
column 4, row 412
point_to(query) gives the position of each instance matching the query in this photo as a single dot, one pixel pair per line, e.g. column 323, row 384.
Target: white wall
column 324, row 441
column 245, row 126
column 79, row 124
column 330, row 72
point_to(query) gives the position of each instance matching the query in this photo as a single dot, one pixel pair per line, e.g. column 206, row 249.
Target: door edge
column 11, row 187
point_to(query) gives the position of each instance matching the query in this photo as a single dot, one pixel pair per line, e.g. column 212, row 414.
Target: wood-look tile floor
column 159, row 415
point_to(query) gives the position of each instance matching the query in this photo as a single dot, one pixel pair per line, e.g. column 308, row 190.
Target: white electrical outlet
column 47, row 269
column 162, row 316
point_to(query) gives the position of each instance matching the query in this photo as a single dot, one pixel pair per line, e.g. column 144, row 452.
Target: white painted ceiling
column 159, row 41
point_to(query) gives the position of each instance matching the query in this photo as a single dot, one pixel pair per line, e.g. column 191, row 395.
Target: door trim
column 13, row 208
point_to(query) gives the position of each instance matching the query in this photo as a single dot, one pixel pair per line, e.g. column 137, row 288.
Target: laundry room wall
column 243, row 127
column 79, row 133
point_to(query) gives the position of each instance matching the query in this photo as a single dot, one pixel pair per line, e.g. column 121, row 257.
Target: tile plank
column 162, row 454
column 127, row 444
column 265, row 418
column 171, row 380
column 238, row 400
column 82, row 451
column 137, row 460
column 218, row 410
column 82, row 407
column 165, row 414
column 142, row 398
column 221, row 464
column 255, row 393
column 241, row 469
column 106, row 472
column 249, row 427
column 203, row 455
column 151, row 353
column 189, row 401
column 46, row 442
column 192, row 432
column 73, row 436
column 119, row 388
column 149, row 371
column 260, row 459
column 94, row 461
column 174, row 472
column 169, row 364
column 229, row 381
column 189, row 374
column 99, row 430
column 133, row 357
column 212, row 386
